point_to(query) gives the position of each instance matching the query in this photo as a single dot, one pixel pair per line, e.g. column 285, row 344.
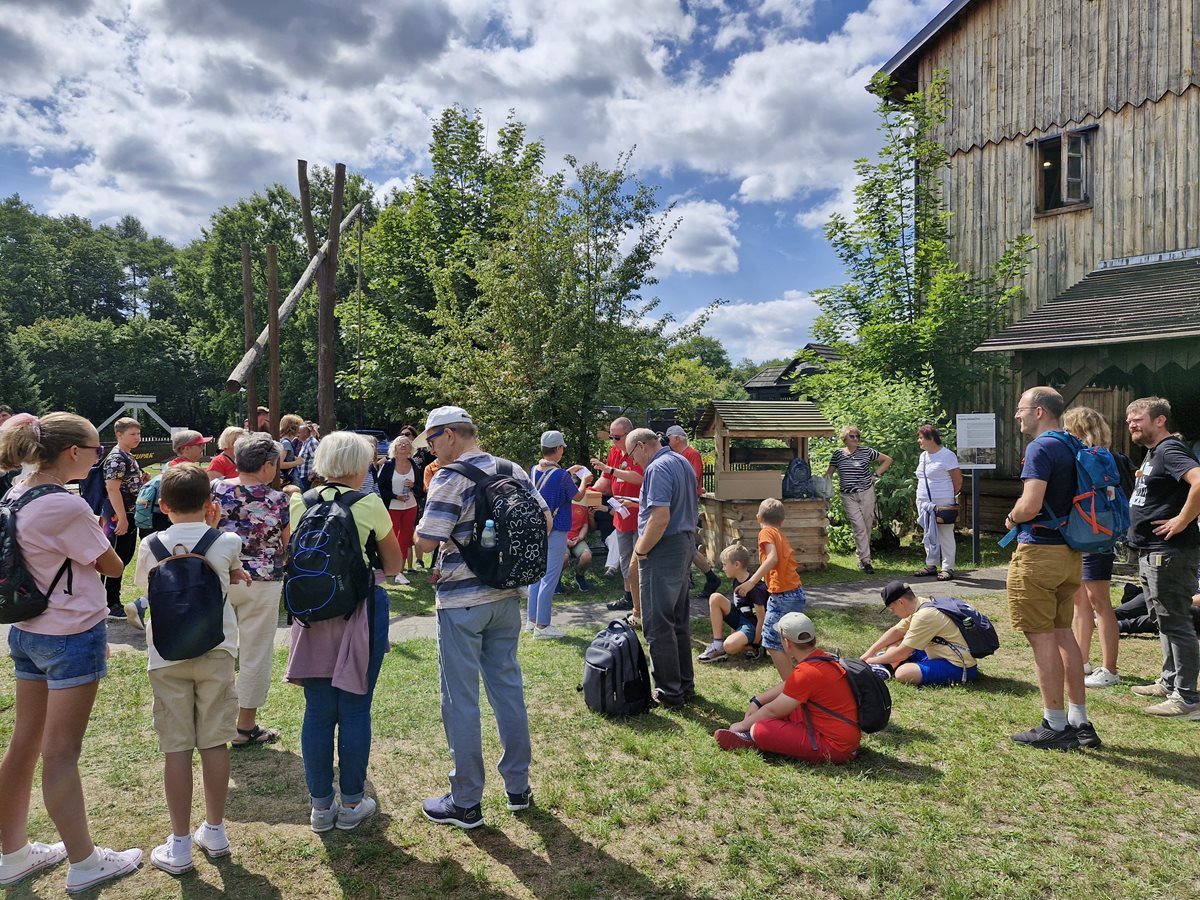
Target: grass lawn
column 940, row 804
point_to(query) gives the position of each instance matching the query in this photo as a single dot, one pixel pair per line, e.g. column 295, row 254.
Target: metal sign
column 976, row 440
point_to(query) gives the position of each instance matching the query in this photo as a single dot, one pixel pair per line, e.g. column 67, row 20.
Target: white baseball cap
column 443, row 415
column 797, row 628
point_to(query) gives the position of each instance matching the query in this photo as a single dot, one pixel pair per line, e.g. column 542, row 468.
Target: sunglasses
column 99, row 450
column 437, row 434
column 616, row 437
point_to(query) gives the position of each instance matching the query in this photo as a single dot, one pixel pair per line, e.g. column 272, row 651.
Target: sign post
column 976, row 453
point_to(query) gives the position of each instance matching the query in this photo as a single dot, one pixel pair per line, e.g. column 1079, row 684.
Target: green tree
column 18, row 386
column 73, row 359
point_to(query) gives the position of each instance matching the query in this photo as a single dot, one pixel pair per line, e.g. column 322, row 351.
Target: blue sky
column 747, row 115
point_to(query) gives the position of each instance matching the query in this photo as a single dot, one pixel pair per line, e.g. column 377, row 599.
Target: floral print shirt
column 258, row 514
column 120, row 465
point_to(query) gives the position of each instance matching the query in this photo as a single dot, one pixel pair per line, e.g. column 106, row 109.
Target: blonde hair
column 1153, row 406
column 772, row 511
column 343, row 454
column 290, row 424
column 124, row 423
column 736, row 553
column 1087, row 425
column 27, row 439
column 846, row 429
column 229, row 437
column 396, row 443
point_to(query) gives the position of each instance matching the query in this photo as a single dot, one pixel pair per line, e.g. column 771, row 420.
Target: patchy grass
column 939, row 804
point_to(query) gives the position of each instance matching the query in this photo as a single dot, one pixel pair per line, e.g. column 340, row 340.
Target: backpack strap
column 808, row 720
column 476, row 474
column 206, row 541
column 158, row 548
column 65, row 569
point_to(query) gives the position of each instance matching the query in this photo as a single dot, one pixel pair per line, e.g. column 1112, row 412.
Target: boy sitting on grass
column 778, row 568
column 577, row 545
column 746, row 617
column 195, row 704
column 925, row 646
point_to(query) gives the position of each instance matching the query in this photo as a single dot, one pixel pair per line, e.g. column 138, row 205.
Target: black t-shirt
column 1160, row 493
column 756, row 596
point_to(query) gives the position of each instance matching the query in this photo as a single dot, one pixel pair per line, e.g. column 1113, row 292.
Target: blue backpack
column 187, row 604
column 1099, row 514
column 146, row 514
column 977, row 630
column 95, row 493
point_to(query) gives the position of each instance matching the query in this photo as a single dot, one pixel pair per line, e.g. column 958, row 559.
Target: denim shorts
column 779, row 605
column 61, row 660
column 940, row 671
column 739, row 621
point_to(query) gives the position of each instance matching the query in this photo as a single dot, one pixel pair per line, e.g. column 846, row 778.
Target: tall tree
column 18, row 386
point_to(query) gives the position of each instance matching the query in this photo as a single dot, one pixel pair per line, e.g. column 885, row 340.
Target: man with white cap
column 478, row 628
column 558, row 489
column 677, row 440
column 810, row 715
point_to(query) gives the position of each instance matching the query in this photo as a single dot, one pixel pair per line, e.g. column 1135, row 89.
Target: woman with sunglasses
column 59, row 654
column 856, row 470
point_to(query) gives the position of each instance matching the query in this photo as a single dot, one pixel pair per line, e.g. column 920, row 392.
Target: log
column 326, row 320
column 237, row 377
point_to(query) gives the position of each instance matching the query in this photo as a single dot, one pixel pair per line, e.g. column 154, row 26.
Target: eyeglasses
column 99, row 450
column 437, row 434
column 1023, row 408
column 852, row 435
column 616, row 437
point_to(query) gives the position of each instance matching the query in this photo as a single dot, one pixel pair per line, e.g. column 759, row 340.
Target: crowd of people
column 245, row 518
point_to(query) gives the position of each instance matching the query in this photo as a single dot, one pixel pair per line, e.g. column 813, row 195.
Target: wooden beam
column 326, row 320
column 310, row 234
column 273, row 334
column 1082, row 378
column 248, row 312
column 237, row 377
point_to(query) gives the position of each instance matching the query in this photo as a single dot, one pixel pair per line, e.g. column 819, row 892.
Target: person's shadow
column 235, row 882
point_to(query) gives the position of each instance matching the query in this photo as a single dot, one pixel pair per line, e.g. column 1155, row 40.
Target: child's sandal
column 256, row 735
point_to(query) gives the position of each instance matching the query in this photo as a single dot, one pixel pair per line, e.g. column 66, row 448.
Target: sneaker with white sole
column 399, row 579
column 1087, row 667
column 549, row 633
column 135, row 613
column 518, row 802
column 212, row 840
column 174, row 857
column 323, row 820
column 1101, row 678
column 443, row 811
column 112, row 864
column 528, row 625
column 713, row 655
column 350, row 818
column 1157, row 689
column 1174, row 707
column 38, row 856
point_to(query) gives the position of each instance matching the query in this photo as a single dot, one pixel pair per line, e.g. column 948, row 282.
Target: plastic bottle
column 487, row 540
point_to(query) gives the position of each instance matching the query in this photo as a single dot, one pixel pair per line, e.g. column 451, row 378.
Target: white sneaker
column 212, row 840
column 174, row 857
column 528, row 625
column 350, row 818
column 1101, row 678
column 1087, row 667
column 112, row 864
column 399, row 579
column 40, row 856
column 323, row 820
column 549, row 633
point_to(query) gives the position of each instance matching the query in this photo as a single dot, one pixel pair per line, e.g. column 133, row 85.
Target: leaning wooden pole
column 237, row 377
column 326, row 320
column 273, row 333
column 248, row 310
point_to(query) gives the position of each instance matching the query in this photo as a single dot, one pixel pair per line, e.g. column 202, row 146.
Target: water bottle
column 487, row 540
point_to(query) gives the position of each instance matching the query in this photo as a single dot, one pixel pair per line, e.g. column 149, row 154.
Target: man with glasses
column 477, row 628
column 1044, row 575
column 856, row 470
column 622, row 477
column 666, row 540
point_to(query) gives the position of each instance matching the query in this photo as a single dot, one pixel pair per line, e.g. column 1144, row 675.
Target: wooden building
column 747, row 473
column 1077, row 122
column 777, row 382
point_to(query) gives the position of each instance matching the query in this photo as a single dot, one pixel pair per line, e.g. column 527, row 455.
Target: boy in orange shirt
column 778, row 569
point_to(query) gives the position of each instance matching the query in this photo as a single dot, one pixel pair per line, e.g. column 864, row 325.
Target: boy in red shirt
column 577, row 545
column 797, row 718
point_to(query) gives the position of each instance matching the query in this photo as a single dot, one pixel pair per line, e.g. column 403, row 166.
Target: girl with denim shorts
column 59, row 655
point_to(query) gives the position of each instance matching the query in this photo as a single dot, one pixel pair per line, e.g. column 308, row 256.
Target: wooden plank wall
column 806, row 528
column 1019, row 66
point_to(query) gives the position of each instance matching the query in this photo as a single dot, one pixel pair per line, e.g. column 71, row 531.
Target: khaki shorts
column 1042, row 580
column 579, row 549
column 195, row 703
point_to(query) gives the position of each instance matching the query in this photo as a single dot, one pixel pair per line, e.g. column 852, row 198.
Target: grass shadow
column 998, row 684
column 1165, row 764
column 236, row 881
column 267, row 785
column 899, row 735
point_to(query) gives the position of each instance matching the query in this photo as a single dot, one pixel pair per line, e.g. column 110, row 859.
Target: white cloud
column 704, row 240
column 765, row 330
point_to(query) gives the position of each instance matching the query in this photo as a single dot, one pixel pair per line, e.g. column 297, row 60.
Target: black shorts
column 1098, row 566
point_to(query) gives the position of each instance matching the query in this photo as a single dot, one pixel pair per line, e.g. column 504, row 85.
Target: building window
column 1063, row 171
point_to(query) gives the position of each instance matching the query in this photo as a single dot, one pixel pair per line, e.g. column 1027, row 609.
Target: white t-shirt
column 933, row 476
column 402, row 484
column 225, row 556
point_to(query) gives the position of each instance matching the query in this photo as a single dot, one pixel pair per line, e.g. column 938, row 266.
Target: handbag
column 943, row 515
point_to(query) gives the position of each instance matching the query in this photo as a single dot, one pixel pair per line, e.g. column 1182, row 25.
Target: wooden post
column 248, row 308
column 327, row 291
column 273, row 334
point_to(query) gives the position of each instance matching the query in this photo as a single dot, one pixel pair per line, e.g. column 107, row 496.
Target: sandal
column 948, row 575
column 925, row 572
column 256, row 735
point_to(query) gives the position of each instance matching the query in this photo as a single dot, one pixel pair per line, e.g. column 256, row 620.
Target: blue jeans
column 473, row 642
column 326, row 708
column 61, row 660
column 778, row 606
column 541, row 594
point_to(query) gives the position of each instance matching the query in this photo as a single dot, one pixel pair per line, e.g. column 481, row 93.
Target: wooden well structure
column 746, row 475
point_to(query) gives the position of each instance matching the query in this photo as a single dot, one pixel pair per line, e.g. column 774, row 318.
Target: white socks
column 1056, row 718
column 1077, row 714
column 91, row 862
column 17, row 857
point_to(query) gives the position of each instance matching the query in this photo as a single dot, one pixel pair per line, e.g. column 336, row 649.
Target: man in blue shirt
column 1044, row 575
column 665, row 543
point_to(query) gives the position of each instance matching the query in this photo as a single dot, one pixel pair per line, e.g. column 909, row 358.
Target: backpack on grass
column 519, row 555
column 326, row 575
column 187, row 602
column 616, row 677
column 871, row 696
column 20, row 598
column 977, row 630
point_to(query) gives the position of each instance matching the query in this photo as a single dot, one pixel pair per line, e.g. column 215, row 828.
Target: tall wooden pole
column 248, row 307
column 326, row 322
column 273, row 333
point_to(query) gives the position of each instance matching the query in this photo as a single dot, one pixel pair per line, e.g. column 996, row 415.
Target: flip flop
column 255, row 735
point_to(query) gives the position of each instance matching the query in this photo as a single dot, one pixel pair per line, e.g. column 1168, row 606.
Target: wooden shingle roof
column 1116, row 304
column 786, row 417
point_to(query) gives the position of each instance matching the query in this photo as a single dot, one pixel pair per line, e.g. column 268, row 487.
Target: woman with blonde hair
column 223, row 464
column 1093, row 605
column 397, row 481
column 857, row 472
column 59, row 650
column 289, row 429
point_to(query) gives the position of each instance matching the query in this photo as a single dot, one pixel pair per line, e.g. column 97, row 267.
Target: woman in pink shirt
column 59, row 654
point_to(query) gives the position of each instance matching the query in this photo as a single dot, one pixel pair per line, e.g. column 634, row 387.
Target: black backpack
column 326, row 576
column 977, row 630
column 798, row 481
column 20, row 598
column 187, row 604
column 871, row 696
column 94, row 492
column 519, row 556
column 616, row 678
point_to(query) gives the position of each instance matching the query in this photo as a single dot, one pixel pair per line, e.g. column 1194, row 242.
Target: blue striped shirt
column 450, row 513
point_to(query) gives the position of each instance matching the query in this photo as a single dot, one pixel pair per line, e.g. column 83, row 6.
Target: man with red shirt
column 803, row 716
column 678, row 440
column 622, row 477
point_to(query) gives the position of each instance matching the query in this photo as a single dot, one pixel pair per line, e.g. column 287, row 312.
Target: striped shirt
column 855, row 470
column 307, row 451
column 450, row 513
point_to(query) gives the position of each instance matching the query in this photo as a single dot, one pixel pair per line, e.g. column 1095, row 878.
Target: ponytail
column 25, row 438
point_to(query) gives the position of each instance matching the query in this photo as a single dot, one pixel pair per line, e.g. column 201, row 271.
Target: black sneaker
column 518, row 802
column 868, row 568
column 1087, row 735
column 581, row 583
column 1046, row 738
column 443, row 811
column 622, row 605
column 753, row 652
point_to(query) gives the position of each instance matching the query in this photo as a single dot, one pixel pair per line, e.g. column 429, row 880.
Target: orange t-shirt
column 783, row 577
column 825, row 683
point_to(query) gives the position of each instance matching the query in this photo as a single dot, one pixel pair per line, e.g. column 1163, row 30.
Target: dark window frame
column 1063, row 171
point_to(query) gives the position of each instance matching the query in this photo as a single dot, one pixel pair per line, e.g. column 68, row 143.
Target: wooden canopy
column 781, row 419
